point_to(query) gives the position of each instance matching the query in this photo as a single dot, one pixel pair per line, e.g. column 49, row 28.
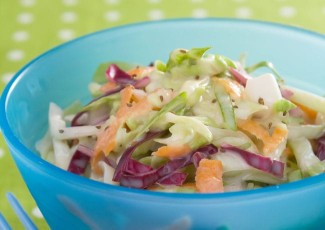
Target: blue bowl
column 61, row 75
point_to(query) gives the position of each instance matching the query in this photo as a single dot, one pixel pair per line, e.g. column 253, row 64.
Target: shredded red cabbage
column 120, row 77
column 141, row 83
column 265, row 164
column 296, row 112
column 79, row 119
column 286, row 93
column 122, row 165
column 320, row 152
column 111, row 160
column 117, row 75
column 144, row 180
column 135, row 167
column 175, row 178
column 240, row 75
column 197, row 157
column 80, row 160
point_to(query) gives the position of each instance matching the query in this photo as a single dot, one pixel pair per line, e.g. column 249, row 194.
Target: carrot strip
column 270, row 142
column 171, row 152
column 208, row 178
column 311, row 114
column 136, row 71
column 106, row 140
column 254, row 128
column 278, row 136
column 232, row 87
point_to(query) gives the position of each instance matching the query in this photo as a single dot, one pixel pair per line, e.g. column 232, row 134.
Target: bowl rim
column 36, row 161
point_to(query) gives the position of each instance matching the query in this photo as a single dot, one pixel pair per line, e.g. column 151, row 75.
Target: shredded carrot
column 278, row 136
column 255, row 129
column 270, row 142
column 106, row 140
column 136, row 71
column 108, row 86
column 232, row 87
column 172, row 151
column 208, row 178
column 311, row 114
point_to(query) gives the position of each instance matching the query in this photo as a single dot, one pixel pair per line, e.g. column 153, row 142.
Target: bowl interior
column 62, row 74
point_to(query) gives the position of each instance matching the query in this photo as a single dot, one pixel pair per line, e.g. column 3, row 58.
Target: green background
column 30, row 27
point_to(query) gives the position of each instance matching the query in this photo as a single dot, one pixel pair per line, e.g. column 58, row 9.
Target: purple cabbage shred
column 240, row 75
column 320, row 152
column 175, row 178
column 167, row 174
column 120, row 77
column 80, row 160
column 260, row 162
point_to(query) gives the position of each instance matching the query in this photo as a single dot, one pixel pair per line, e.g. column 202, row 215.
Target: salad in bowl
column 199, row 123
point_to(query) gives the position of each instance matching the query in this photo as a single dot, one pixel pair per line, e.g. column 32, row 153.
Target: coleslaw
column 199, row 123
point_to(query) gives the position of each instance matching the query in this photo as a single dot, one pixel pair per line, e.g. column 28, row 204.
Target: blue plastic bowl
column 61, row 75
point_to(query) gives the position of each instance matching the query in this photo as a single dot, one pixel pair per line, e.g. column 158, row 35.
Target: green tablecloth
column 30, row 27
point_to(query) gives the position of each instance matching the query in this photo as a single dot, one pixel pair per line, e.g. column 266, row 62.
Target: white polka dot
column 2, row 153
column 70, row 2
column 37, row 213
column 155, row 15
column 20, row 36
column 199, row 13
column 25, row 18
column 112, row 16
column 15, row 55
column 27, row 3
column 287, row 11
column 7, row 77
column 69, row 17
column 66, row 34
column 112, row 2
column 154, row 1
column 243, row 12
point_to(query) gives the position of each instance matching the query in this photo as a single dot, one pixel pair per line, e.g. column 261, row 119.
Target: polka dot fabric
column 30, row 27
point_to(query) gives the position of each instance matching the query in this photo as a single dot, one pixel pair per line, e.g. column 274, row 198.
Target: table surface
column 30, row 27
